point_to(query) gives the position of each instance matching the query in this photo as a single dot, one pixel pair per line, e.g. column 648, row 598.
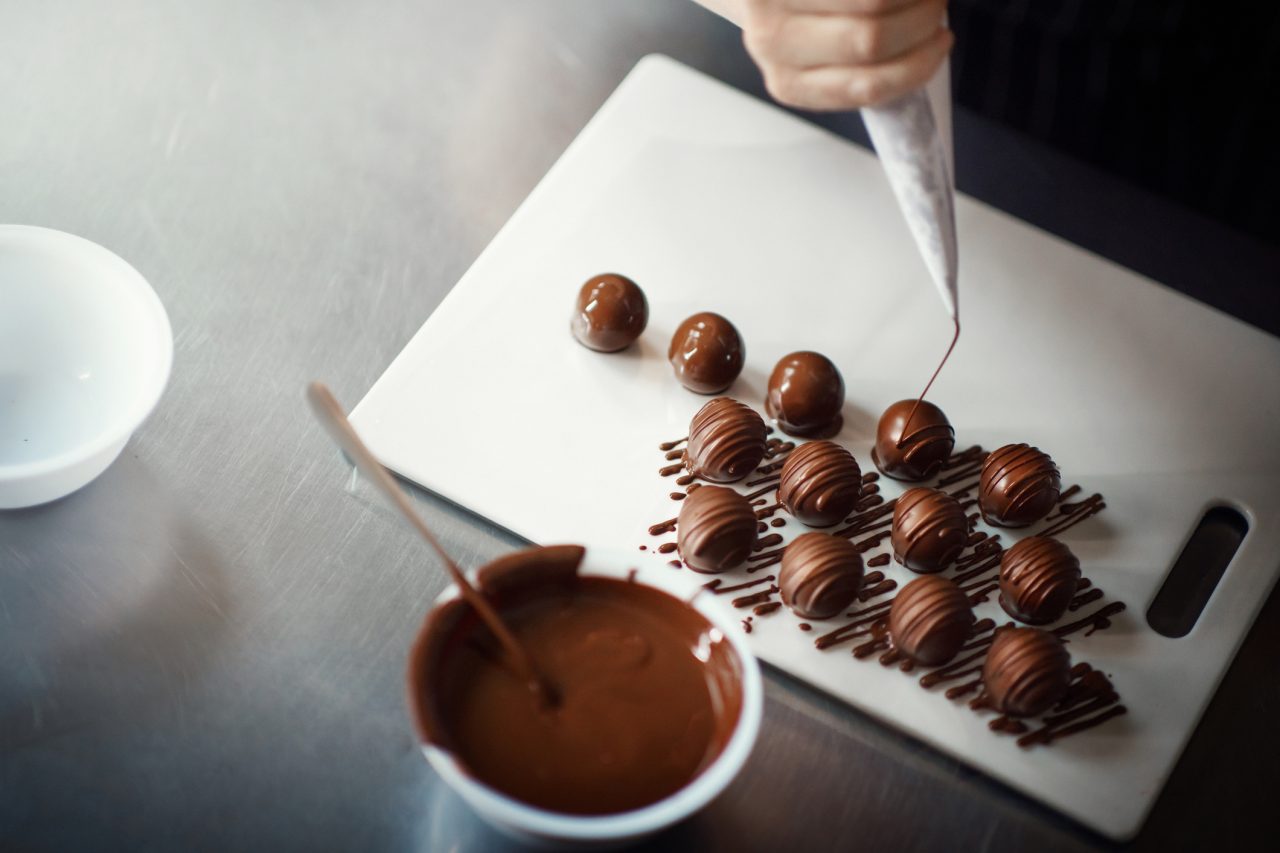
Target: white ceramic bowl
column 540, row 826
column 85, row 351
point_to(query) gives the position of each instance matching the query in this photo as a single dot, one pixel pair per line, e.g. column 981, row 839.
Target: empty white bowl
column 85, row 352
column 540, row 826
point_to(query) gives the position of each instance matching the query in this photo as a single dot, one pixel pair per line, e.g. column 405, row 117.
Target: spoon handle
column 334, row 420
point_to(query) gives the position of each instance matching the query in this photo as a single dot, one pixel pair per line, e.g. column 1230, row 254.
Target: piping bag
column 912, row 136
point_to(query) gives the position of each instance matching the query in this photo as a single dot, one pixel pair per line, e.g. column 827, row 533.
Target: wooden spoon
column 335, row 422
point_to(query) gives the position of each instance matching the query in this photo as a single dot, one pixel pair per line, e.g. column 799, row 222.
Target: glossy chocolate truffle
column 715, row 530
column 1038, row 577
column 726, row 441
column 930, row 530
column 821, row 482
column 610, row 314
column 805, row 395
column 820, row 575
column 920, row 453
column 1019, row 485
column 930, row 619
column 706, row 353
column 1027, row 671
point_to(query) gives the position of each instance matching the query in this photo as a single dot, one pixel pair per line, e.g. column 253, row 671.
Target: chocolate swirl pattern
column 1038, row 578
column 726, row 441
column 821, row 483
column 820, row 575
column 921, row 452
column 715, row 530
column 929, row 620
column 1026, row 672
column 930, row 530
column 1018, row 486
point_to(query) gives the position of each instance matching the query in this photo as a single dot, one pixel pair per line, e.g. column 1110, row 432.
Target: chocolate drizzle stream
column 906, row 427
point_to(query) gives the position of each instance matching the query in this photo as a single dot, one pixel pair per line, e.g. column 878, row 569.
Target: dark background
column 1177, row 96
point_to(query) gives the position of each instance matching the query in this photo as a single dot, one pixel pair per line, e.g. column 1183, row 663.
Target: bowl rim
column 143, row 404
column 496, row 806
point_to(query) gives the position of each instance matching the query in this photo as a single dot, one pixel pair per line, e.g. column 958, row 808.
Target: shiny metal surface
column 204, row 648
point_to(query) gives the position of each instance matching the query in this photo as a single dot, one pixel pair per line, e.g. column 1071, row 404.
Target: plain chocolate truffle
column 820, row 575
column 1038, row 577
column 930, row 530
column 820, row 483
column 920, row 453
column 1027, row 671
column 930, row 619
column 805, row 395
column 726, row 441
column 1018, row 486
column 715, row 530
column 706, row 353
column 610, row 314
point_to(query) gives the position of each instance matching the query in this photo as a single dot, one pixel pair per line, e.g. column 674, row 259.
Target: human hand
column 841, row 54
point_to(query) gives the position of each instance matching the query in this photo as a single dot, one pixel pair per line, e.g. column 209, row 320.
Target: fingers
column 810, row 41
column 831, row 7
column 849, row 87
column 844, row 54
column 881, row 83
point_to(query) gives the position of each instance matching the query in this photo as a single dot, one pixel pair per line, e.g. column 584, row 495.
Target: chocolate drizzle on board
column 755, row 598
column 1091, row 699
column 715, row 587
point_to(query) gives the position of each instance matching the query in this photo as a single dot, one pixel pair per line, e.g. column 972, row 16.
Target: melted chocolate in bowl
column 649, row 691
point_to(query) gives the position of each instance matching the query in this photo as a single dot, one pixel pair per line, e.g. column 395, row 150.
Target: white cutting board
column 712, row 200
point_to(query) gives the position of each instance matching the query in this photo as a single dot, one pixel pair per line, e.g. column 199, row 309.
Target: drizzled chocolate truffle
column 726, row 441
column 930, row 619
column 929, row 530
column 1038, row 577
column 1027, row 671
column 805, row 395
column 820, row 575
column 611, row 313
column 1018, row 486
column 706, row 353
column 918, row 454
column 821, row 482
column 715, row 530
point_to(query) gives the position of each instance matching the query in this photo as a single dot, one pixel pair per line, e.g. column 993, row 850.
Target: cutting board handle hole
column 1196, row 572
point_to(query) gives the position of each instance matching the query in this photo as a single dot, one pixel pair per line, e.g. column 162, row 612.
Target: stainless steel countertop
column 204, row 649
